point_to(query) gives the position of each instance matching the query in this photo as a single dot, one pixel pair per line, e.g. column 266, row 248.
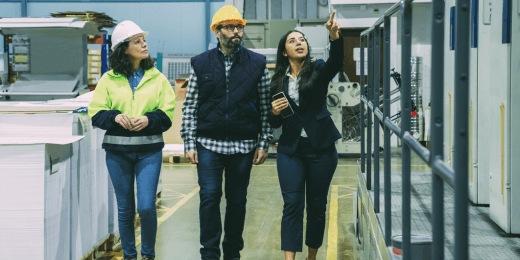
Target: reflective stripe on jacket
column 154, row 97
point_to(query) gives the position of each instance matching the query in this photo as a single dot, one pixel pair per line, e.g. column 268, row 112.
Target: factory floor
column 178, row 213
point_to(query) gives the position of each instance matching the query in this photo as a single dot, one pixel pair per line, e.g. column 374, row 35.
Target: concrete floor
column 178, row 232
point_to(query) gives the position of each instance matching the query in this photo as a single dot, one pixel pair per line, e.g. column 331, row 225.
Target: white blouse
column 294, row 94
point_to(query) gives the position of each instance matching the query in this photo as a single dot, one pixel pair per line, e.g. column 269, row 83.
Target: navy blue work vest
column 229, row 112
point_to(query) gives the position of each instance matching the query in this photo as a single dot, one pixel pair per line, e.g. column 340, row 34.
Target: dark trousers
column 210, row 171
column 305, row 175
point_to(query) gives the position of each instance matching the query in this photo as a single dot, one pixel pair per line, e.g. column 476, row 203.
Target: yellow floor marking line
column 332, row 249
column 169, row 212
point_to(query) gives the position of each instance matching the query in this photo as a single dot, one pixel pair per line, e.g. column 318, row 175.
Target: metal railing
column 441, row 172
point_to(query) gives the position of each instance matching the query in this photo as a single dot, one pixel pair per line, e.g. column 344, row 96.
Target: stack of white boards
column 35, row 190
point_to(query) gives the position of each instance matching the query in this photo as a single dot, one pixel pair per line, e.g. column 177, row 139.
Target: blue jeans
column 145, row 168
column 210, row 171
column 307, row 174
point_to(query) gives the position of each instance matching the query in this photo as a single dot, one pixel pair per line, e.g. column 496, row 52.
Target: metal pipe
column 393, row 127
column 362, row 105
column 406, row 53
column 416, row 147
column 370, row 105
column 460, row 159
column 446, row 173
column 437, row 129
column 413, row 89
column 379, row 115
column 376, row 89
column 208, row 23
column 367, row 31
column 23, row 4
column 369, row 125
column 391, row 93
column 392, row 10
column 386, row 143
column 398, row 97
column 379, row 21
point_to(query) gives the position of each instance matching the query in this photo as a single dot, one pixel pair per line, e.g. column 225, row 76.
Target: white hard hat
column 124, row 30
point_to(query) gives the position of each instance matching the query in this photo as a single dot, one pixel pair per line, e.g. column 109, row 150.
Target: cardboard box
column 21, row 58
column 92, row 82
column 96, row 76
column 93, row 58
column 94, row 52
column 95, row 64
column 94, row 70
column 173, row 136
column 180, row 89
column 93, row 40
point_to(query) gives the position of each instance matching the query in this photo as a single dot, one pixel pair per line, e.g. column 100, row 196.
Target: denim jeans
column 210, row 171
column 307, row 174
column 145, row 168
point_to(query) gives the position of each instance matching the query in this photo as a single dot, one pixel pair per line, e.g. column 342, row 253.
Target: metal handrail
column 441, row 172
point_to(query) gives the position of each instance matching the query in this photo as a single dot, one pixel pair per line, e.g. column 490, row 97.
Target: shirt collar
column 288, row 73
column 139, row 72
column 232, row 55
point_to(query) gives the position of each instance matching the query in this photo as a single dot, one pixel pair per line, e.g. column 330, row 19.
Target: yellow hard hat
column 227, row 13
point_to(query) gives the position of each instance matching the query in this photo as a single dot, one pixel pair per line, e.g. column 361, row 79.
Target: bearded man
column 225, row 129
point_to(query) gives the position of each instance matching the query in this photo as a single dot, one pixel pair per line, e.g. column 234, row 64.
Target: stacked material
column 61, row 215
column 35, row 191
column 100, row 190
column 101, row 19
column 94, row 64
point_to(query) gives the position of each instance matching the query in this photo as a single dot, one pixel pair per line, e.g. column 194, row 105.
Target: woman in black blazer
column 307, row 156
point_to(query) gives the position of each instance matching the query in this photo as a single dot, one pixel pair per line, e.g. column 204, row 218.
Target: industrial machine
column 49, row 56
column 172, row 65
column 266, row 34
column 482, row 109
column 4, row 68
column 496, row 93
column 344, row 104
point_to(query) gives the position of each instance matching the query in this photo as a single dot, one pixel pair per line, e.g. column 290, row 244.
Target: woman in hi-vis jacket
column 306, row 155
column 134, row 102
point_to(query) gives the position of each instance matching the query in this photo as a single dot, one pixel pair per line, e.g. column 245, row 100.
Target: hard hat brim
column 240, row 21
column 144, row 34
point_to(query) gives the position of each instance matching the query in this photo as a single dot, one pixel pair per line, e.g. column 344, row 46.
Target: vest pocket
column 204, row 80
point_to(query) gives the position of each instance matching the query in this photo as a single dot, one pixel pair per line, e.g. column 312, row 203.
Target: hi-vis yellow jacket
column 154, row 97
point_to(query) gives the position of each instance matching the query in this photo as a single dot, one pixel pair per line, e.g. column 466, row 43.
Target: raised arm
column 334, row 63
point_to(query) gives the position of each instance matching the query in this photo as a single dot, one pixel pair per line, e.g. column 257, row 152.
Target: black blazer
column 312, row 114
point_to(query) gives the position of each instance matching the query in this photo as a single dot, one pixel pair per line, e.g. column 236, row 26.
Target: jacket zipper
column 227, row 99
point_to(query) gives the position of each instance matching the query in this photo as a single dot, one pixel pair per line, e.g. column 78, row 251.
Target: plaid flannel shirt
column 190, row 117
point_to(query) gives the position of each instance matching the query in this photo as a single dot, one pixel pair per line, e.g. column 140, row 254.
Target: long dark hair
column 307, row 75
column 121, row 64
